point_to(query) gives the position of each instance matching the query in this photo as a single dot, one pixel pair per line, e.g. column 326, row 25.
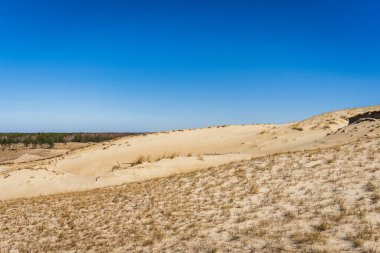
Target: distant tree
column 27, row 141
column 77, row 138
column 34, row 143
column 50, row 143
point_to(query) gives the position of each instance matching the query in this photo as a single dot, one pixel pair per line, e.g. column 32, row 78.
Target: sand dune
column 168, row 153
column 308, row 186
column 324, row 200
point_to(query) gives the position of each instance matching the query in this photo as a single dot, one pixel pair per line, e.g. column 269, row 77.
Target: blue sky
column 144, row 65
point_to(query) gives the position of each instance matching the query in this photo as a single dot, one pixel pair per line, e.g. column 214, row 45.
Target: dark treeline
column 47, row 140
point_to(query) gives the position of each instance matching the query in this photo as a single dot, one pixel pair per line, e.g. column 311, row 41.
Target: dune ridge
column 167, row 153
column 321, row 200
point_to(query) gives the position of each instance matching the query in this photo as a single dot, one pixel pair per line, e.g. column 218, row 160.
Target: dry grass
column 139, row 160
column 297, row 127
column 142, row 159
column 311, row 201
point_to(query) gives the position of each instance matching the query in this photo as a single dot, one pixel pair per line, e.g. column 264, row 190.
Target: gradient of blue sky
column 145, row 65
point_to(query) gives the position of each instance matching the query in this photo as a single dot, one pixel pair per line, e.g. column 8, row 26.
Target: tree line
column 47, row 140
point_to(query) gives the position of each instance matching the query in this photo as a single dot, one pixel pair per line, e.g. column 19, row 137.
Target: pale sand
column 325, row 200
column 108, row 164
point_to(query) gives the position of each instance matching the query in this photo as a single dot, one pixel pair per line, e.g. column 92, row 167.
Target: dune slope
column 325, row 200
column 139, row 158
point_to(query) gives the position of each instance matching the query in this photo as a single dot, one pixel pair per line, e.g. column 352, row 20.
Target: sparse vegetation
column 170, row 156
column 307, row 237
column 277, row 202
column 141, row 159
column 297, row 127
column 311, row 200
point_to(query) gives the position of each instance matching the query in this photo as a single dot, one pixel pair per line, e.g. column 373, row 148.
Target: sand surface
column 323, row 200
column 309, row 186
column 167, row 153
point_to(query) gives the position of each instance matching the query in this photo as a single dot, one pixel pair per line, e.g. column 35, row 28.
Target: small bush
column 141, row 159
column 297, row 127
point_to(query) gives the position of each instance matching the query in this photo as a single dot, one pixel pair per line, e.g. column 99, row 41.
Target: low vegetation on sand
column 326, row 200
column 297, row 127
column 142, row 159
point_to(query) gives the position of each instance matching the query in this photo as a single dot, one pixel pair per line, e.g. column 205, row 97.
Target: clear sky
column 144, row 65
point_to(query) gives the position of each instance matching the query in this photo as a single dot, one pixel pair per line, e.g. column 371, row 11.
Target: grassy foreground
column 308, row 201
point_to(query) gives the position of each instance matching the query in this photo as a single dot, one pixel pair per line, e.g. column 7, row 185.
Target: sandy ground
column 19, row 153
column 322, row 200
column 140, row 158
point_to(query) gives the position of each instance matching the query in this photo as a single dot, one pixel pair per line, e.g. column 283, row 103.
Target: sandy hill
column 139, row 158
column 319, row 200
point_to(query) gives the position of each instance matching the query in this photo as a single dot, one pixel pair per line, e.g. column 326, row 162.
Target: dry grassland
column 327, row 200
